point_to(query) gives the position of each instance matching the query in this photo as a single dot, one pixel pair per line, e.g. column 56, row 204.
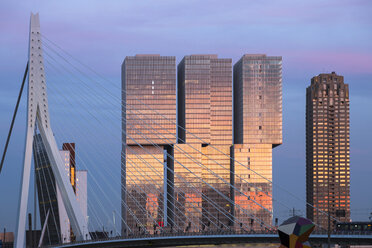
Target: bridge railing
column 343, row 232
column 212, row 233
column 175, row 234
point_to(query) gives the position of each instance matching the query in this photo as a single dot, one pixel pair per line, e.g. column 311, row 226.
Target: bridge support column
column 38, row 112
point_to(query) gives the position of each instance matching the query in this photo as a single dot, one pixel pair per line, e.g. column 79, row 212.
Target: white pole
column 43, row 231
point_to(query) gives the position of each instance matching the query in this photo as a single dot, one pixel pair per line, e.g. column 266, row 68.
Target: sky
column 312, row 37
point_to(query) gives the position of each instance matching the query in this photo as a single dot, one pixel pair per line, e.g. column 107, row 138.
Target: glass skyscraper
column 149, row 99
column 181, row 176
column 205, row 137
column 46, row 192
column 205, row 100
column 328, row 149
column 258, row 100
column 148, row 131
column 257, row 128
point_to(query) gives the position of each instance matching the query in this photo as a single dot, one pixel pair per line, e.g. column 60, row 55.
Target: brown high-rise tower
column 327, row 149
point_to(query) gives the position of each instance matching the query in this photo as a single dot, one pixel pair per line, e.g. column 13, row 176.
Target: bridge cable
column 187, row 132
column 84, row 163
column 54, row 187
column 275, row 184
column 86, row 166
column 67, row 100
column 225, row 168
column 13, row 119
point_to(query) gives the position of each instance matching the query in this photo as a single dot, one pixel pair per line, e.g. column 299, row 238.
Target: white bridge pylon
column 37, row 111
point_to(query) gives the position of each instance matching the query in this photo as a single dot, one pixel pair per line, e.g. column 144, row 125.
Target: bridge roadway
column 167, row 240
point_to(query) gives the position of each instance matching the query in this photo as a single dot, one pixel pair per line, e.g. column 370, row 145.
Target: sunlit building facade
column 64, row 222
column 79, row 183
column 253, row 194
column 205, row 133
column 328, row 149
column 149, row 99
column 216, row 200
column 81, row 192
column 258, row 100
column 145, row 187
column 202, row 187
column 257, row 129
column 180, row 177
column 70, row 147
column 188, row 186
column 221, row 101
column 205, row 100
column 148, row 133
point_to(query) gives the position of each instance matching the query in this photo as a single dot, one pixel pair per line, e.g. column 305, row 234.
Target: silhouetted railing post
column 30, row 230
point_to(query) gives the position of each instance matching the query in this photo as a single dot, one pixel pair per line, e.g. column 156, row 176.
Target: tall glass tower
column 181, row 176
column 148, row 133
column 204, row 141
column 257, row 129
column 47, row 192
column 328, row 149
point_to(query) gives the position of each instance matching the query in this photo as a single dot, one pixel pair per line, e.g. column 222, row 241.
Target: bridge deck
column 167, row 241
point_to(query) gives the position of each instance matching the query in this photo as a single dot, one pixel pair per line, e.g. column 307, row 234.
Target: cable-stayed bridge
column 146, row 201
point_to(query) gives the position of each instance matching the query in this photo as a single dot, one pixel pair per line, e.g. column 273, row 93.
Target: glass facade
column 46, row 192
column 188, row 186
column 145, row 188
column 216, row 187
column 221, row 101
column 253, row 193
column 328, row 149
column 205, row 116
column 149, row 99
column 202, row 187
column 192, row 191
column 148, row 126
column 205, row 100
column 257, row 129
column 258, row 100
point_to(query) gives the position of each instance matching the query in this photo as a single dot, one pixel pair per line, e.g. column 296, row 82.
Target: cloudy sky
column 312, row 36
